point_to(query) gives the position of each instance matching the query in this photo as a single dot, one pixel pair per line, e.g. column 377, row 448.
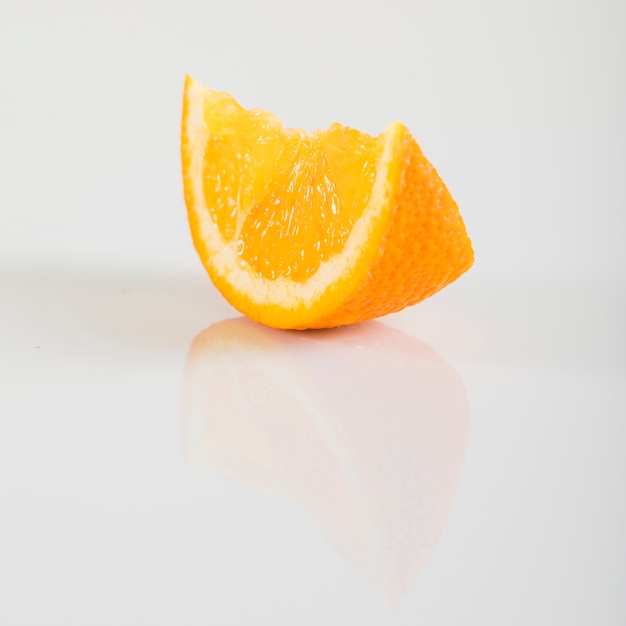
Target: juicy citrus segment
column 306, row 217
column 239, row 159
column 272, row 189
column 303, row 230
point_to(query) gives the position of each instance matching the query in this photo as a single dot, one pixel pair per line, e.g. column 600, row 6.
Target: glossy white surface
column 163, row 461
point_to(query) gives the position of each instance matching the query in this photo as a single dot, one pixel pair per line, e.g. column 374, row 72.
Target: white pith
column 223, row 255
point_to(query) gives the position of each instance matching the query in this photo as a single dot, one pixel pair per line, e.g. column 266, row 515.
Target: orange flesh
column 316, row 230
column 288, row 198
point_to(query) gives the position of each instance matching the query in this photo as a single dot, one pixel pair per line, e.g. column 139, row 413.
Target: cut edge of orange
column 278, row 302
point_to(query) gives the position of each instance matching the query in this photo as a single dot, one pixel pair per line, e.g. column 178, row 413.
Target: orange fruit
column 314, row 230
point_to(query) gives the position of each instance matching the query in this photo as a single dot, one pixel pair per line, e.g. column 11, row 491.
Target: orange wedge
column 314, row 230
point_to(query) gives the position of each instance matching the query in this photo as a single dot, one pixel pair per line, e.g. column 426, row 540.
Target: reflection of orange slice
column 365, row 426
column 302, row 230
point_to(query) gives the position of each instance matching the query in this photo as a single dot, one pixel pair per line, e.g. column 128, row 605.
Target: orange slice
column 314, row 230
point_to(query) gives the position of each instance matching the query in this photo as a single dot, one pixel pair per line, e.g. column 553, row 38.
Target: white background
column 104, row 519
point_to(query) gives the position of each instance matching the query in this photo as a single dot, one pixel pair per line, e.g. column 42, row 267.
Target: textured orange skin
column 419, row 246
column 425, row 248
